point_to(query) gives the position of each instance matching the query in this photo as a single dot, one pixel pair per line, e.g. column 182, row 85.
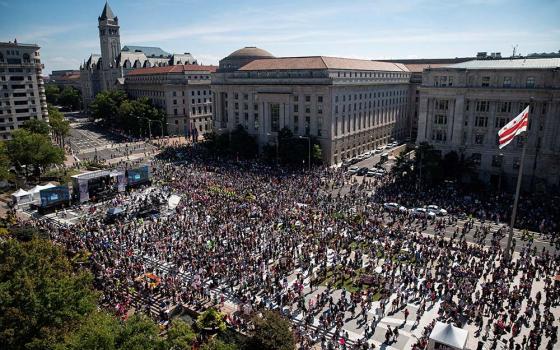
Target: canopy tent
column 446, row 336
column 114, row 211
column 37, row 189
column 21, row 196
column 173, row 201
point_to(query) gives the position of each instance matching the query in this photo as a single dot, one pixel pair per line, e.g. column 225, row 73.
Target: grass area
column 349, row 283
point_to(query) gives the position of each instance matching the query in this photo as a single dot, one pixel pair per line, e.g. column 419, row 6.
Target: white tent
column 173, row 201
column 37, row 189
column 446, row 336
column 21, row 196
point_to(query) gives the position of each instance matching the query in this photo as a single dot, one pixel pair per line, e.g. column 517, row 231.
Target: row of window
column 485, row 81
column 370, row 75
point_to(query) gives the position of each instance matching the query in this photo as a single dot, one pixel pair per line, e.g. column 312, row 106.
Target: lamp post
column 309, row 149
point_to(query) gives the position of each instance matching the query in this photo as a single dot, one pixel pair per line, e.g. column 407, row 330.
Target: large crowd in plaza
column 270, row 238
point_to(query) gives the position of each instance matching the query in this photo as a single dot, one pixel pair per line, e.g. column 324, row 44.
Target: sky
column 67, row 31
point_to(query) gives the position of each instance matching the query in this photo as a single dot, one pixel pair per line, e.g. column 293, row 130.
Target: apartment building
column 22, row 93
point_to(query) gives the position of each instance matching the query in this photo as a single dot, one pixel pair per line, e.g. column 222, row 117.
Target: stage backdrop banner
column 84, row 190
column 139, row 175
column 54, row 195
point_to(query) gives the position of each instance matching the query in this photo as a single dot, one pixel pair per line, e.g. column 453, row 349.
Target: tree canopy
column 5, row 173
column 37, row 126
column 137, row 117
column 60, row 127
column 41, row 298
column 27, row 149
column 70, row 98
column 272, row 332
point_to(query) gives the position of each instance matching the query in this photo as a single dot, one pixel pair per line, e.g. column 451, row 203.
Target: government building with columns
column 462, row 107
column 351, row 106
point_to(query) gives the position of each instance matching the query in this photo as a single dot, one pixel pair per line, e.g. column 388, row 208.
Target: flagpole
column 517, row 190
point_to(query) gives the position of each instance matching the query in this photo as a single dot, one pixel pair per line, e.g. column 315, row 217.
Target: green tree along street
column 70, row 98
column 5, row 163
column 294, row 150
column 52, row 93
column 37, row 126
column 31, row 150
column 60, row 127
column 272, row 332
column 41, row 298
column 137, row 117
column 237, row 143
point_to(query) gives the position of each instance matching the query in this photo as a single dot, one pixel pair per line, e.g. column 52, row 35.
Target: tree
column 180, row 336
column 295, row 151
column 139, row 117
column 52, row 93
column 105, row 106
column 60, row 126
column 402, row 164
column 211, row 319
column 428, row 161
column 5, row 173
column 242, row 144
column 272, row 332
column 139, row 333
column 217, row 344
column 99, row 331
column 27, row 149
column 37, row 126
column 41, row 298
column 70, row 98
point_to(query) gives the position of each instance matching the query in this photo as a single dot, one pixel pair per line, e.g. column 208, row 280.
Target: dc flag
column 514, row 128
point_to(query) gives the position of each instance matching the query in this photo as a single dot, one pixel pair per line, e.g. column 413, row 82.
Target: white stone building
column 22, row 92
column 463, row 106
column 350, row 105
column 182, row 91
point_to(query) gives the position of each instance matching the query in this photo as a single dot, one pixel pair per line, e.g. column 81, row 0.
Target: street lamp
column 309, row 148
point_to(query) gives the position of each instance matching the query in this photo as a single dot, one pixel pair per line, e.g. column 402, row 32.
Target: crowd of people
column 295, row 241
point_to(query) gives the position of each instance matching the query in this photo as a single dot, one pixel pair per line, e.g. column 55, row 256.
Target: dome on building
column 251, row 51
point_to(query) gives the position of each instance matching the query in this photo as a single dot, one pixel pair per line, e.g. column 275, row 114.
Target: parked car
column 422, row 213
column 362, row 171
column 436, row 210
column 353, row 170
column 391, row 206
column 370, row 173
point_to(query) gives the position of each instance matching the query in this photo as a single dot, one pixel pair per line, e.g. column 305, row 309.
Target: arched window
column 127, row 64
column 137, row 64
